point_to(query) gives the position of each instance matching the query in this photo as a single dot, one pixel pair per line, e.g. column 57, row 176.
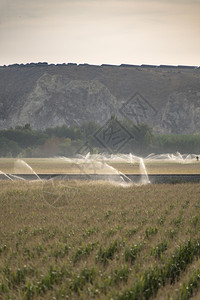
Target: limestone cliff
column 57, row 100
column 182, row 113
column 167, row 98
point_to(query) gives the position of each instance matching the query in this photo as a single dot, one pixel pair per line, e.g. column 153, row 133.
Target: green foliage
column 176, row 142
column 194, row 220
column 188, row 289
column 66, row 140
column 142, row 138
column 8, row 147
column 106, row 254
column 83, row 251
column 116, row 277
column 159, row 249
column 24, row 136
column 151, row 231
column 71, row 132
column 131, row 253
column 53, row 276
column 48, row 253
column 172, row 232
column 131, row 231
column 161, row 220
column 85, row 276
column 148, row 284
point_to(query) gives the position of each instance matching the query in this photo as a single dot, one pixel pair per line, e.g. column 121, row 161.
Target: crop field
column 103, row 241
column 57, row 165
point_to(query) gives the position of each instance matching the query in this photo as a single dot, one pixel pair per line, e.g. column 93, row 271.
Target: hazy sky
column 100, row 31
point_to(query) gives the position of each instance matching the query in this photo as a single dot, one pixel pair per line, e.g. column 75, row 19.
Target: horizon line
column 102, row 65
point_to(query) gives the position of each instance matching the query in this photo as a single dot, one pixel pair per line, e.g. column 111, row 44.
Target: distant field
column 104, row 242
column 53, row 165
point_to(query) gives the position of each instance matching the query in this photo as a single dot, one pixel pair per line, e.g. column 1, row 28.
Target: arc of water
column 125, row 176
column 29, row 167
column 88, row 159
column 17, row 177
column 6, row 175
column 150, row 156
column 143, row 170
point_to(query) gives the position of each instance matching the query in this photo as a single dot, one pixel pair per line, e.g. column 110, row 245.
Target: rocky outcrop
column 57, row 100
column 168, row 99
column 182, row 113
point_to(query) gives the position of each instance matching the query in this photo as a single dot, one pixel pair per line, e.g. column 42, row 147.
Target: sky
column 100, row 31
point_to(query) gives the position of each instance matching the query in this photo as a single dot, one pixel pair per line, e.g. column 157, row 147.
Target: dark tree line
column 64, row 140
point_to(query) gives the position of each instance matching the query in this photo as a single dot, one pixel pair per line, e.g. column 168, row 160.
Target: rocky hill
column 165, row 97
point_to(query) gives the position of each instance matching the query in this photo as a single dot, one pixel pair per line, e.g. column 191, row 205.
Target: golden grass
column 57, row 165
column 78, row 250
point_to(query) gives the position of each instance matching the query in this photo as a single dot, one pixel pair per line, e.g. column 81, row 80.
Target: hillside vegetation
column 73, row 140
